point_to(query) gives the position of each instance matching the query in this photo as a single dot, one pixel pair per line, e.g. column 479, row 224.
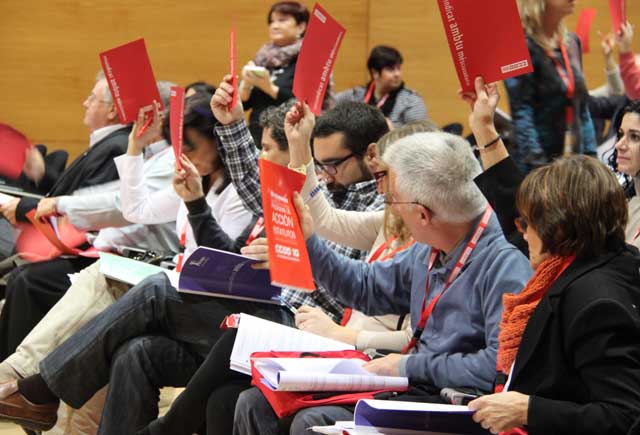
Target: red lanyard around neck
column 566, row 75
column 369, row 94
column 466, row 253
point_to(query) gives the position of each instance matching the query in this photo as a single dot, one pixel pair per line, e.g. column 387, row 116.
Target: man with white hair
column 452, row 280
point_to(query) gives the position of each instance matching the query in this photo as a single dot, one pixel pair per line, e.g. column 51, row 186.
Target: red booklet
column 316, row 59
column 233, row 66
column 288, row 257
column 618, row 10
column 13, row 149
column 133, row 86
column 485, row 40
column 49, row 238
column 584, row 27
column 176, row 120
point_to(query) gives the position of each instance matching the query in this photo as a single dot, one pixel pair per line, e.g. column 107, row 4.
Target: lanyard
column 376, row 257
column 566, row 75
column 367, row 97
column 466, row 253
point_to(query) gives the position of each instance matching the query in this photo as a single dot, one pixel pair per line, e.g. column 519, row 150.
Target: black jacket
column 579, row 359
column 95, row 166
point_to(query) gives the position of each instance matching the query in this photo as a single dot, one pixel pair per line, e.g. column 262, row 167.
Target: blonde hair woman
column 549, row 105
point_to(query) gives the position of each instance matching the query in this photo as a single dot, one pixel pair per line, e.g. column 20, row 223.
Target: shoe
column 15, row 408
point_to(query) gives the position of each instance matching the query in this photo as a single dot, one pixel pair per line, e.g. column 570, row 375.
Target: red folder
column 40, row 241
column 233, row 66
column 618, row 10
column 318, row 54
column 485, row 40
column 130, row 77
column 176, row 120
column 288, row 258
column 13, row 149
column 584, row 27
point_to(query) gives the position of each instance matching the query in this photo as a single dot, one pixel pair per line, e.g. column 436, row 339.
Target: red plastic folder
column 233, row 66
column 288, row 257
column 13, row 149
column 176, row 120
column 316, row 59
column 485, row 40
column 618, row 10
column 130, row 77
column 583, row 28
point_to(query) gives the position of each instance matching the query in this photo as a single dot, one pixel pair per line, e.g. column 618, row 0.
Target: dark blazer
column 95, row 166
column 579, row 359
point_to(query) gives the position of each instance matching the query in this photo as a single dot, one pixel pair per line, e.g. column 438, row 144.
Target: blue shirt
column 459, row 344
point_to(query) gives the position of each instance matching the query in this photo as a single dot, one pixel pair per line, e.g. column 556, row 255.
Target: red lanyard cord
column 466, row 253
column 566, row 75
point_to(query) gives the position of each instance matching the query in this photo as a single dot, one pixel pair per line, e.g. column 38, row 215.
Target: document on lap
column 406, row 418
column 323, row 374
column 259, row 335
column 289, row 264
column 212, row 272
column 133, row 86
column 484, row 40
column 131, row 271
column 317, row 56
column 13, row 148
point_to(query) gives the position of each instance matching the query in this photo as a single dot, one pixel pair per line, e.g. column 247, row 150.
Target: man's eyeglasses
column 331, row 168
column 379, row 176
column 389, row 200
column 521, row 224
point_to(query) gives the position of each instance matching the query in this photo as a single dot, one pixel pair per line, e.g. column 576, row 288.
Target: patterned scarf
column 519, row 307
column 272, row 56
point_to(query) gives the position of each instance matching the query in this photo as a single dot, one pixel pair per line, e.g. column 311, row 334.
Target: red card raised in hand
column 288, row 258
column 130, row 77
column 485, row 40
column 233, row 67
column 618, row 10
column 316, row 59
column 584, row 27
column 13, row 149
column 176, row 120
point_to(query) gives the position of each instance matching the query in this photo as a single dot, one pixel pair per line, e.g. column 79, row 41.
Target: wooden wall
column 49, row 51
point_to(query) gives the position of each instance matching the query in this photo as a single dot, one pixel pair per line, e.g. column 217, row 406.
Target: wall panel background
column 49, row 51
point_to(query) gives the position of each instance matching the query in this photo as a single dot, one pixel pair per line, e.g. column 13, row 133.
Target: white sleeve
column 92, row 212
column 355, row 229
column 138, row 204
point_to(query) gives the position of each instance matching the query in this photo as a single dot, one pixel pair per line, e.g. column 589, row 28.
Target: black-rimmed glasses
column 331, row 168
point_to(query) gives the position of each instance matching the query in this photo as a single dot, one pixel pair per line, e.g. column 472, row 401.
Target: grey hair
column 437, row 169
column 107, row 97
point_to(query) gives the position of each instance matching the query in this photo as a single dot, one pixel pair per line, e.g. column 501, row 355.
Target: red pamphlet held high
column 585, row 20
column 319, row 50
column 13, row 148
column 176, row 120
column 128, row 71
column 618, row 10
column 486, row 39
column 288, row 258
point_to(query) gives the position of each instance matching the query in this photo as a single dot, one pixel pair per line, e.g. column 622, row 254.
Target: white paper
column 259, row 335
column 5, row 198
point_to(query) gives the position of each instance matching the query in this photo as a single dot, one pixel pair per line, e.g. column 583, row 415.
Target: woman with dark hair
column 268, row 79
column 569, row 341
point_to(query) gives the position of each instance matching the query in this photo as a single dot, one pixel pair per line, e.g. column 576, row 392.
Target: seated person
column 386, row 89
column 444, row 210
column 569, row 340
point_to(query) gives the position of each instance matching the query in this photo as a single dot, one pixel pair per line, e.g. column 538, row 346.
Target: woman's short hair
column 383, row 56
column 531, row 16
column 198, row 116
column 437, row 170
column 575, row 205
column 298, row 11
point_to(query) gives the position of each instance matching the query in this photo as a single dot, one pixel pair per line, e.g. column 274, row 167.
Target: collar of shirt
column 155, row 148
column 99, row 134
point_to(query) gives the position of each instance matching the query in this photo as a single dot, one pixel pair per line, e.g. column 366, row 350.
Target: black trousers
column 32, row 290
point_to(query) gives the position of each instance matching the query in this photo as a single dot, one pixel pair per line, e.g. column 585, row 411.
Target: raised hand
column 145, row 130
column 624, row 38
column 298, row 127
column 221, row 100
column 187, row 181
